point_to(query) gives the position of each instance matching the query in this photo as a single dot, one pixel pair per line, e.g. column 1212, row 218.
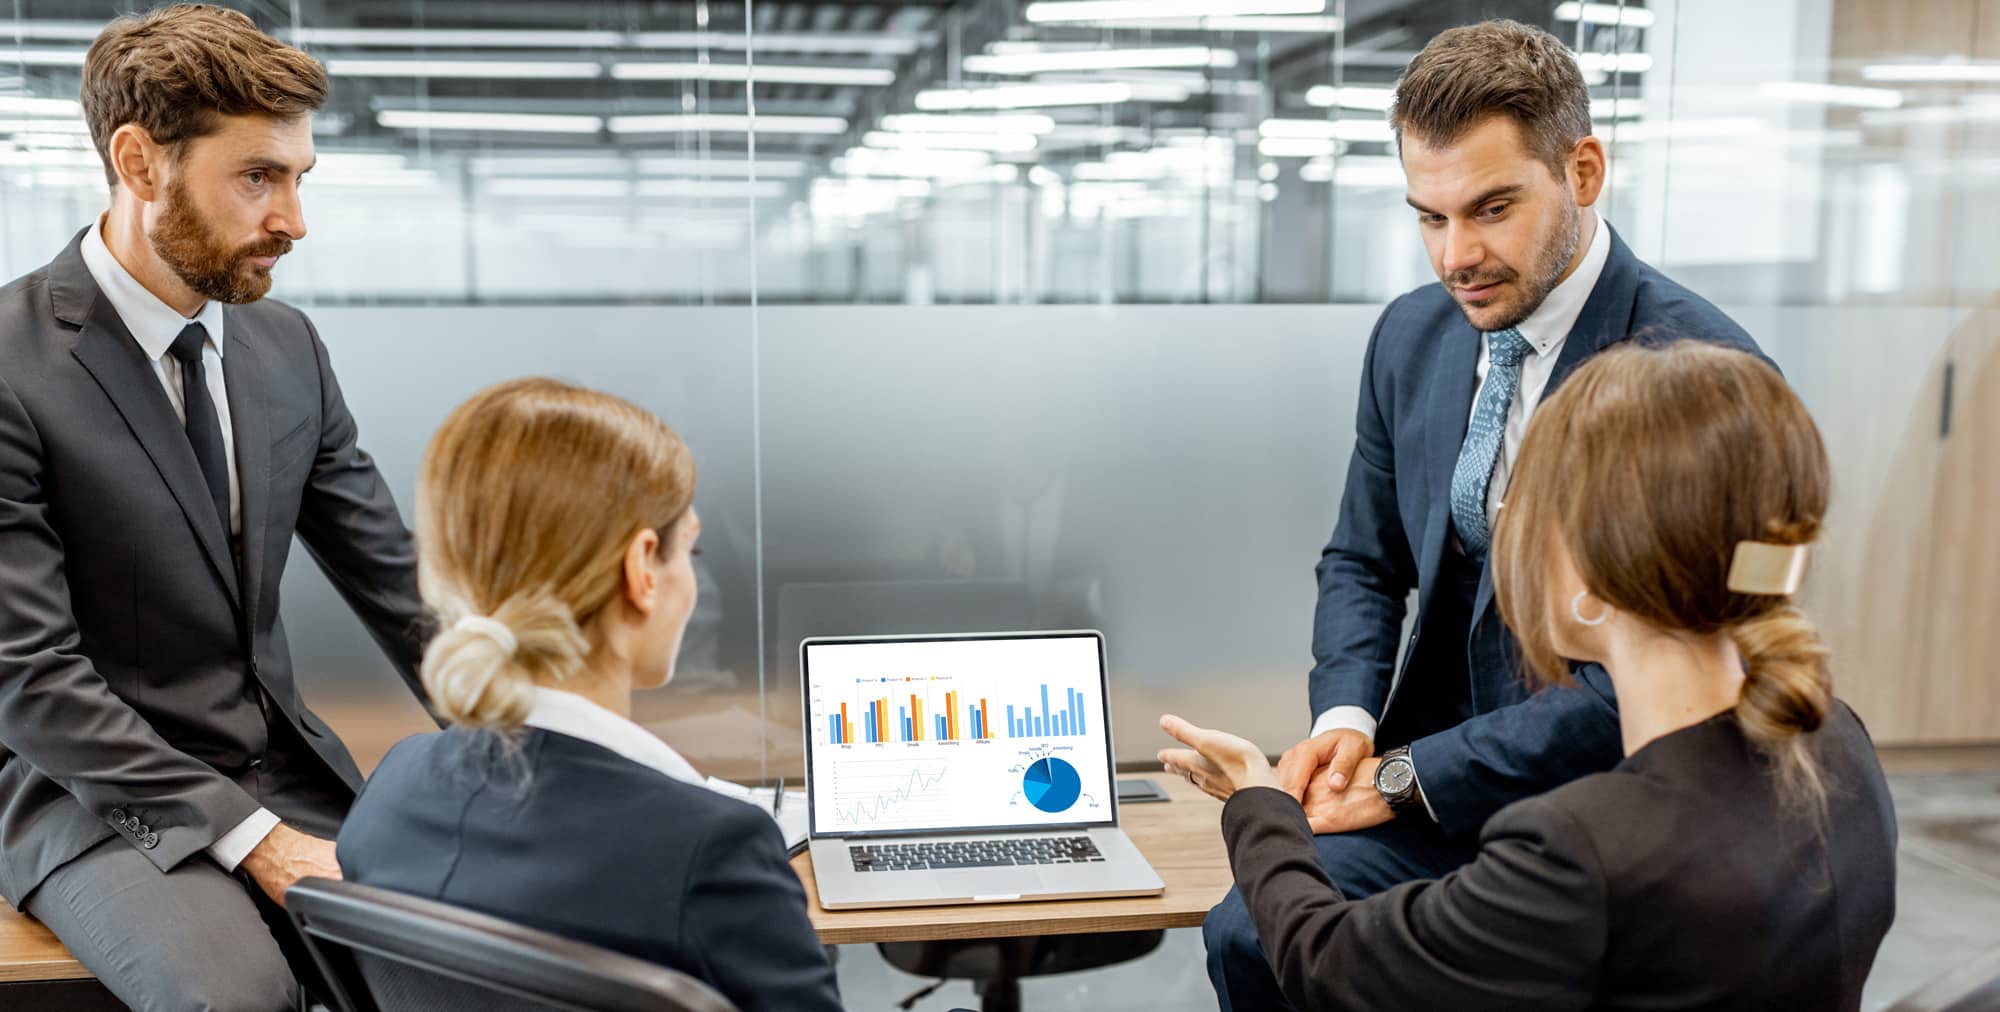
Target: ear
column 642, row 575
column 1587, row 170
column 138, row 162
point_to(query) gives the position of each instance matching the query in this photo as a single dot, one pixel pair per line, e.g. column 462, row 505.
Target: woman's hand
column 1218, row 762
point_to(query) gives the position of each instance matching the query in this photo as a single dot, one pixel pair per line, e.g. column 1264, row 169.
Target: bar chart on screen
column 937, row 734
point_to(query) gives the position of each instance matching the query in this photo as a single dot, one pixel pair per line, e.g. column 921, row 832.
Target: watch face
column 1394, row 777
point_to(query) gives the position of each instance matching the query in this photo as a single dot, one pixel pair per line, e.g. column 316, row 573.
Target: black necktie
column 204, row 428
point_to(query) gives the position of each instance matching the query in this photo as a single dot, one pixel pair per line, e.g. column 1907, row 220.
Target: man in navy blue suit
column 1404, row 765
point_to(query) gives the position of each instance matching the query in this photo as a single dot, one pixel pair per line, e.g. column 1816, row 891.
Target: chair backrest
column 384, row 951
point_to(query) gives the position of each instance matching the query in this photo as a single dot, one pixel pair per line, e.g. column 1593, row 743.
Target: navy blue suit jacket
column 1417, row 386
column 574, row 839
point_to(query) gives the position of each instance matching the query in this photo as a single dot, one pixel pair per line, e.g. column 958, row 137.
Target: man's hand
column 1337, row 752
column 1218, row 762
column 285, row 856
column 1358, row 806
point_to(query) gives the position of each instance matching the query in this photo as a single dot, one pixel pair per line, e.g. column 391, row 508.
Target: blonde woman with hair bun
column 1742, row 856
column 555, row 530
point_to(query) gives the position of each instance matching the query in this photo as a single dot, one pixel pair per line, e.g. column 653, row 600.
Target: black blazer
column 569, row 837
column 131, row 641
column 1675, row 881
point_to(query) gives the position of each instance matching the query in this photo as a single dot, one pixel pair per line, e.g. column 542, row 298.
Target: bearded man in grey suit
column 163, row 436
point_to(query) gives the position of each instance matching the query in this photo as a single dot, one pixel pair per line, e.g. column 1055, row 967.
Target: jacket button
column 118, row 816
column 151, row 841
column 142, row 831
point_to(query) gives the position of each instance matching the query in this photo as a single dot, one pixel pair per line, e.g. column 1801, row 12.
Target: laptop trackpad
column 998, row 883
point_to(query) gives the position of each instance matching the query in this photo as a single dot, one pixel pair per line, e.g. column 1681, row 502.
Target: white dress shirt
column 570, row 714
column 1546, row 329
column 154, row 325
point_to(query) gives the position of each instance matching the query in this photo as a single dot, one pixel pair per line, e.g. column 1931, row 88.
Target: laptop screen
column 937, row 734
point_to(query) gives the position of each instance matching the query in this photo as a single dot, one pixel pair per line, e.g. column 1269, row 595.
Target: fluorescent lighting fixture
column 728, row 188
column 1363, row 130
column 51, row 158
column 1716, row 128
column 505, row 122
column 1010, row 123
column 913, row 164
column 725, row 123
column 1145, row 88
column 1617, row 108
column 1826, row 94
column 783, row 42
column 45, row 126
column 762, row 73
column 1323, row 25
column 449, row 38
column 1942, row 71
column 1100, row 59
column 1120, row 10
column 38, row 106
column 1605, row 14
column 378, row 179
column 69, row 142
column 1298, row 147
column 542, row 70
column 731, row 167
column 963, row 142
column 1022, row 96
column 1350, row 96
column 605, row 188
column 547, row 165
column 43, row 57
column 1615, row 63
column 68, row 31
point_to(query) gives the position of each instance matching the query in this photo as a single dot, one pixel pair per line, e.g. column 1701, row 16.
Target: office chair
column 383, row 951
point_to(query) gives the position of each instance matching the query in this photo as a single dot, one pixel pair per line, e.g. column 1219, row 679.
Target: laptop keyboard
column 973, row 853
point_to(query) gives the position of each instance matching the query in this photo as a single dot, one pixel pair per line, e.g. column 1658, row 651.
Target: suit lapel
column 113, row 358
column 243, row 380
column 1447, row 416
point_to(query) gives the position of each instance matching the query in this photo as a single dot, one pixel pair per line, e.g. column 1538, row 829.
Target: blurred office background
column 998, row 314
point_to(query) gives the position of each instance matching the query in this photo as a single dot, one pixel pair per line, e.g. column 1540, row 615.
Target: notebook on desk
column 963, row 769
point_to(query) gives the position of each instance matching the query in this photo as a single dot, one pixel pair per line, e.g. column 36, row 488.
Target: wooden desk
column 1182, row 838
column 29, row 951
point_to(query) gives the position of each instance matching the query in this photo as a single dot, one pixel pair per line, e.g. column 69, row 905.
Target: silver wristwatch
column 1396, row 780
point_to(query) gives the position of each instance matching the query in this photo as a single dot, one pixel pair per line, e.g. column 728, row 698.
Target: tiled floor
column 1948, row 912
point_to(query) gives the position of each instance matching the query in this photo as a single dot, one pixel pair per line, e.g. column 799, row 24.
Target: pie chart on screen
column 1051, row 785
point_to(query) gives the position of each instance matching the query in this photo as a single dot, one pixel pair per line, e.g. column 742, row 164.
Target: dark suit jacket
column 1677, row 881
column 131, row 645
column 1417, row 385
column 572, row 838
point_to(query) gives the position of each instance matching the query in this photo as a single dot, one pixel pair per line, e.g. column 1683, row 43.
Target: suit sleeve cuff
column 1352, row 718
column 237, row 844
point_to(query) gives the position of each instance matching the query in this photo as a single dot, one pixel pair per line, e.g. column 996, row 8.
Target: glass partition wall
column 914, row 281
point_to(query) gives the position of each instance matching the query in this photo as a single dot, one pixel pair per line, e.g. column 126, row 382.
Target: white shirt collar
column 1550, row 323
column 153, row 323
column 571, row 714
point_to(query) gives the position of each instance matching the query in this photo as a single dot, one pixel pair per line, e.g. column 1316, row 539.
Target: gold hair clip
column 1764, row 568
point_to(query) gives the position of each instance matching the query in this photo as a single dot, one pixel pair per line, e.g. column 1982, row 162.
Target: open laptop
column 963, row 769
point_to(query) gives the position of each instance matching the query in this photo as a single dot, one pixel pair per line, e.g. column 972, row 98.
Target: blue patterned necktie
column 1481, row 452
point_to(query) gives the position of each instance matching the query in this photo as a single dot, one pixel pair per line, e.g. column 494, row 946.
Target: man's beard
column 204, row 263
column 1558, row 248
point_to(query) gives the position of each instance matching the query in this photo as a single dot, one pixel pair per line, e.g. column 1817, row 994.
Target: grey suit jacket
column 131, row 641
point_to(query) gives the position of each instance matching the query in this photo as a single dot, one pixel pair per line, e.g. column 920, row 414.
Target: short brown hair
column 527, row 499
column 1470, row 73
column 173, row 71
column 1648, row 467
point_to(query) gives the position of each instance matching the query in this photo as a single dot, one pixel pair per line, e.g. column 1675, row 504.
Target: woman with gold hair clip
column 1742, row 856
